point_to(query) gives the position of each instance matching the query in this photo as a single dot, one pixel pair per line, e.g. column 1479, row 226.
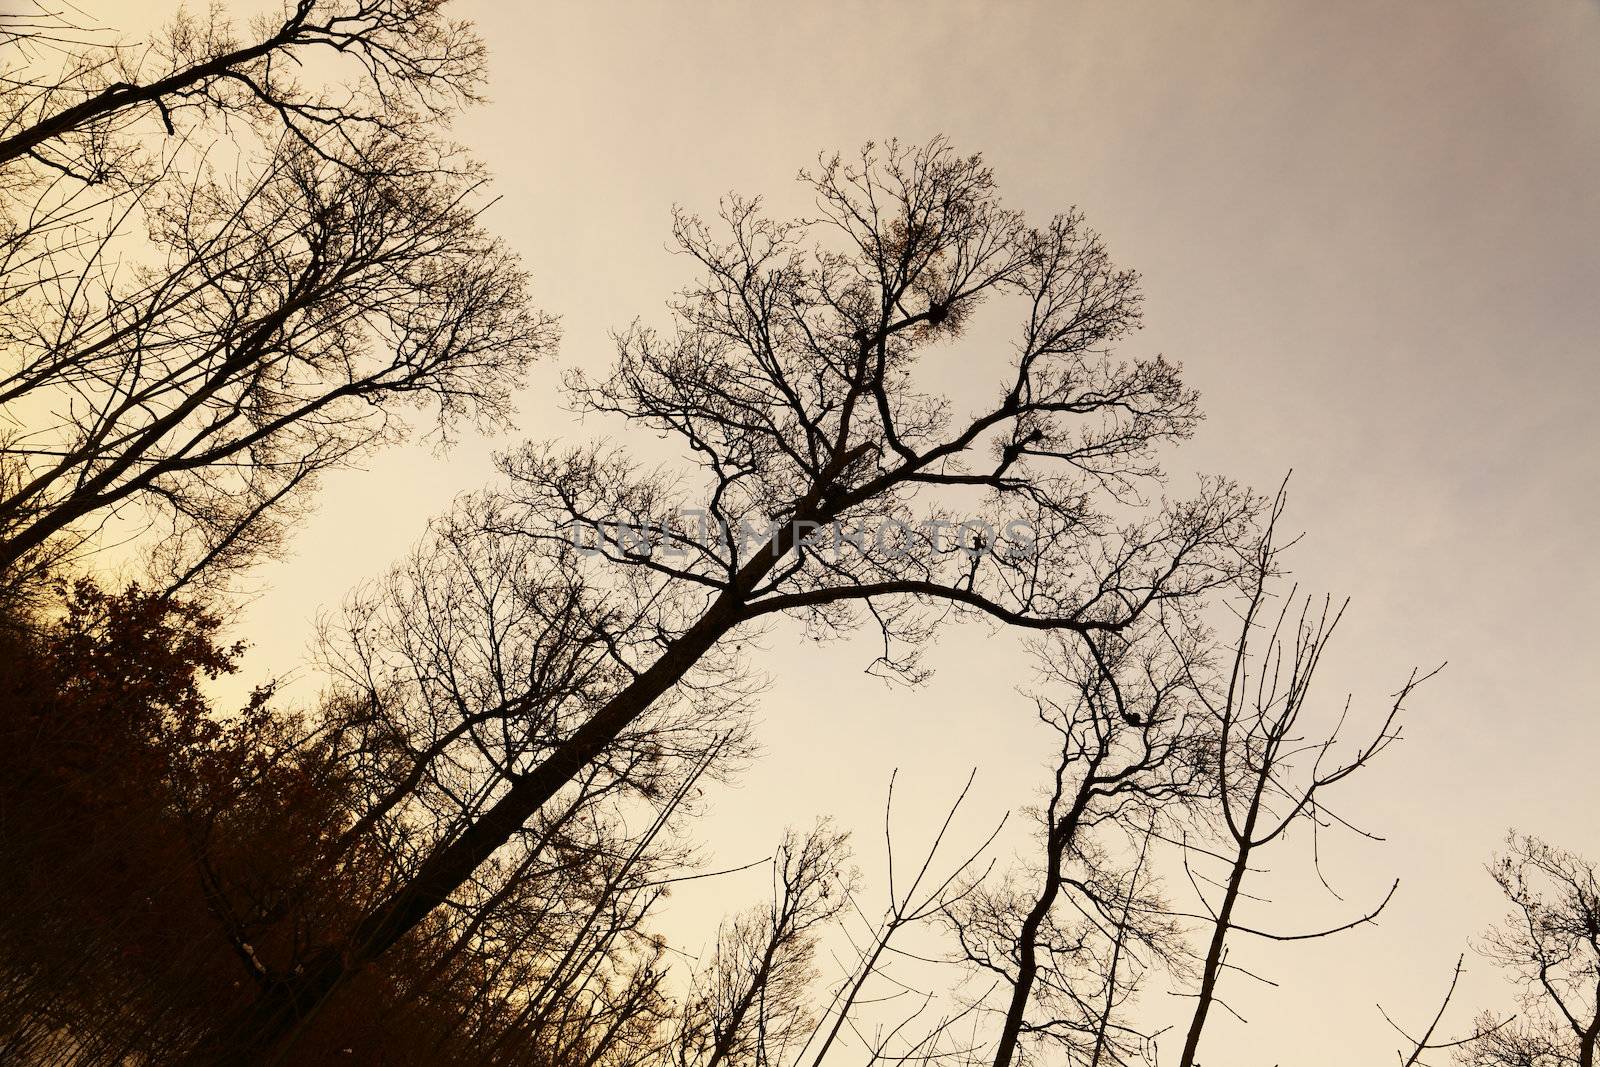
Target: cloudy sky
column 1371, row 234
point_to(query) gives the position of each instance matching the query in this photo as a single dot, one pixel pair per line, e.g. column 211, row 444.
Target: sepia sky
column 1371, row 234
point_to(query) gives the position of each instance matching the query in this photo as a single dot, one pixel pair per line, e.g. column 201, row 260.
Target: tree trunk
column 1061, row 838
column 1219, row 933
column 276, row 1017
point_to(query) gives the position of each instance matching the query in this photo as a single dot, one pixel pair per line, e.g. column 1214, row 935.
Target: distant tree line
column 231, row 260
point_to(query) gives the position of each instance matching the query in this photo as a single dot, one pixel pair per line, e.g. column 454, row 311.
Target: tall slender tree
column 1270, row 777
column 1069, row 938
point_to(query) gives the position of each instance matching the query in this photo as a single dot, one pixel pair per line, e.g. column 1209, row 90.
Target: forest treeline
column 242, row 254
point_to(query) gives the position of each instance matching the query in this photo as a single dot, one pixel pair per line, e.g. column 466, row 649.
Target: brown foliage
column 167, row 863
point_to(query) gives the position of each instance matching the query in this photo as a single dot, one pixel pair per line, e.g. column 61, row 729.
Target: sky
column 1370, row 232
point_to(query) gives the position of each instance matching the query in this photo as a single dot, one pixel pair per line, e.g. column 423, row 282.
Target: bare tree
column 1270, row 777
column 469, row 662
column 752, row 1001
column 288, row 319
column 170, row 859
column 190, row 339
column 410, row 61
column 791, row 384
column 1550, row 944
column 546, row 950
column 1064, row 940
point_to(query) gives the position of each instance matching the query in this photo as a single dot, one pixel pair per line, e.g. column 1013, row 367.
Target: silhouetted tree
column 192, row 332
column 1066, row 940
column 412, row 64
column 1550, row 945
column 460, row 668
column 1269, row 776
column 169, row 862
column 753, row 1001
column 791, row 384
